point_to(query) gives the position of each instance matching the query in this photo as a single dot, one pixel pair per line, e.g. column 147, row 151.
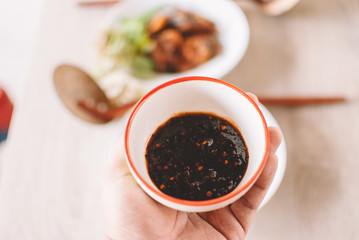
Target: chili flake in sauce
column 196, row 156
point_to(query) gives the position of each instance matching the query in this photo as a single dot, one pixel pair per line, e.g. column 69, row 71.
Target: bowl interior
column 191, row 95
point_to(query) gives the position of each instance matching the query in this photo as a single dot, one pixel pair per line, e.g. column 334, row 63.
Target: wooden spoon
column 83, row 97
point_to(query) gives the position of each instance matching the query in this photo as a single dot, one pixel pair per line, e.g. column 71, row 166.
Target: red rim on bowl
column 189, row 202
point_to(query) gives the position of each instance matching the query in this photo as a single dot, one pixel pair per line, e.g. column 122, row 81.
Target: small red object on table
column 6, row 108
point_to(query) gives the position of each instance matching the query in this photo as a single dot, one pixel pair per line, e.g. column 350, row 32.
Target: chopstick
column 97, row 2
column 297, row 101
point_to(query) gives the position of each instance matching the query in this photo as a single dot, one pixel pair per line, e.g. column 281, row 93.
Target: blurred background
column 51, row 162
column 20, row 24
column 17, row 41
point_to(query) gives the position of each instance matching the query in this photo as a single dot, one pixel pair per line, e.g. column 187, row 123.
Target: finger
column 253, row 97
column 246, row 207
column 224, row 222
column 275, row 139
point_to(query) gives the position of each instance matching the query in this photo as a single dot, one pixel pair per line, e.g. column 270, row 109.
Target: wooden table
column 52, row 164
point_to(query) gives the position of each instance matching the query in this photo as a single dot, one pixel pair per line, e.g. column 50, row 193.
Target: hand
column 131, row 214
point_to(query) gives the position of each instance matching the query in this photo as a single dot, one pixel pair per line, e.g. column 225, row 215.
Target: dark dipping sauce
column 196, row 156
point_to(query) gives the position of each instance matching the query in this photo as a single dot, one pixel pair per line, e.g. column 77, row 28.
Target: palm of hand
column 131, row 214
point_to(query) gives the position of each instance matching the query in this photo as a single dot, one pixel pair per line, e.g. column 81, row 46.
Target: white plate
column 282, row 158
column 231, row 23
column 281, row 152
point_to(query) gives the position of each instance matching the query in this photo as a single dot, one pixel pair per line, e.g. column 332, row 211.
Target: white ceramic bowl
column 195, row 94
column 231, row 23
